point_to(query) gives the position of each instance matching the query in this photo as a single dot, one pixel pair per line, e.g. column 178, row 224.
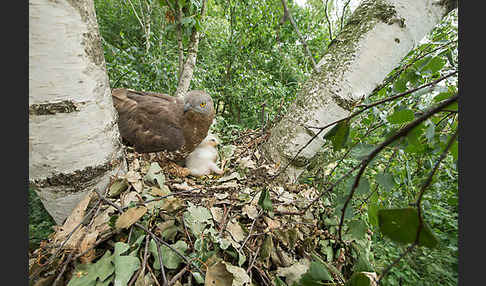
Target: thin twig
column 343, row 13
column 304, row 43
column 251, row 228
column 144, row 263
column 161, row 263
column 178, row 275
column 329, row 24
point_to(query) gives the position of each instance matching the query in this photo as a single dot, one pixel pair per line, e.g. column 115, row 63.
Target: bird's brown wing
column 151, row 123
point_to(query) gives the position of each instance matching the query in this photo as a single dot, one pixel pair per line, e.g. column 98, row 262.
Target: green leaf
column 84, row 275
column 338, row 135
column 413, row 139
column 349, row 213
column 267, row 247
column 453, row 106
column 401, row 116
column 373, row 210
column 434, row 65
column 187, row 20
column 264, row 200
column 422, row 64
column 119, row 186
column 125, row 265
column 363, row 257
column 358, row 279
column 197, row 218
column 430, row 132
column 88, row 274
column 454, row 150
column 357, row 229
column 318, row 271
column 441, row 96
column 449, row 57
column 155, row 175
column 104, row 266
column 363, row 264
column 400, row 85
column 401, row 225
column 363, row 185
column 279, row 282
column 314, row 276
column 170, row 259
column 361, row 151
column 386, row 181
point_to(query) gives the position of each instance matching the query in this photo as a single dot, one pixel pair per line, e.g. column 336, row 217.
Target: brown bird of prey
column 154, row 122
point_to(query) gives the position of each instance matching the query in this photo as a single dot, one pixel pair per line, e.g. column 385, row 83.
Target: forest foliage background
column 253, row 65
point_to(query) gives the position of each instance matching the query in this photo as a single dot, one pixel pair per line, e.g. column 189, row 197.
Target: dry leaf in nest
column 131, row 216
column 88, row 242
column 184, row 187
column 250, row 210
column 217, row 214
column 293, row 273
column 222, row 274
column 135, row 179
column 127, row 198
column 134, row 165
column 271, row 223
column 74, row 219
column 217, row 275
column 101, row 221
column 176, row 170
column 226, row 185
column 236, row 231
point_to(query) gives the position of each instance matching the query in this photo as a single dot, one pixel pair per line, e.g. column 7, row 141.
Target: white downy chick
column 202, row 161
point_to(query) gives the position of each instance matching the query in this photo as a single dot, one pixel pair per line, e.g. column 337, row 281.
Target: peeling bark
column 74, row 142
column 357, row 61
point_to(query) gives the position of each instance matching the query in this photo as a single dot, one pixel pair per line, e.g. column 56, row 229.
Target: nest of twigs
column 154, row 227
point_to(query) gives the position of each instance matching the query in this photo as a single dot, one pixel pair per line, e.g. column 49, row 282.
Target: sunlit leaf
column 401, row 116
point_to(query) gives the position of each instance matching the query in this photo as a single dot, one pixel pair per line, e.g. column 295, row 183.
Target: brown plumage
column 155, row 122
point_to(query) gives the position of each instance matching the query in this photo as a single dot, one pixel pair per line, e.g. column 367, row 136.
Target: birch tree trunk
column 373, row 42
column 74, row 144
column 190, row 62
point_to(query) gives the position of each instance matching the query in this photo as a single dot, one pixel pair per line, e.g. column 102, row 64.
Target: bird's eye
column 202, row 104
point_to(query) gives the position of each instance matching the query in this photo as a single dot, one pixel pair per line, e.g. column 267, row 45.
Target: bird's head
column 198, row 101
column 210, row 140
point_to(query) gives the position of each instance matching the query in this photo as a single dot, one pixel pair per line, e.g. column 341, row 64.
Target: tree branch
column 329, row 24
column 402, row 132
column 419, row 208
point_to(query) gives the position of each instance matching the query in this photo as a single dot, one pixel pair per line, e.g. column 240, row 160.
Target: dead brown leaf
column 131, row 216
column 88, row 241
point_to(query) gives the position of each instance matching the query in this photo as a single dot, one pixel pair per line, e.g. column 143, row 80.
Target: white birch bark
column 378, row 35
column 74, row 142
column 190, row 62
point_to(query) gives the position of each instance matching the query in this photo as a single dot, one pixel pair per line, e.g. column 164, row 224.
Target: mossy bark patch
column 79, row 178
column 91, row 39
column 65, row 106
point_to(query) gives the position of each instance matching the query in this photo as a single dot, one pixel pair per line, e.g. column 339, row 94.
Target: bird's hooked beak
column 187, row 107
